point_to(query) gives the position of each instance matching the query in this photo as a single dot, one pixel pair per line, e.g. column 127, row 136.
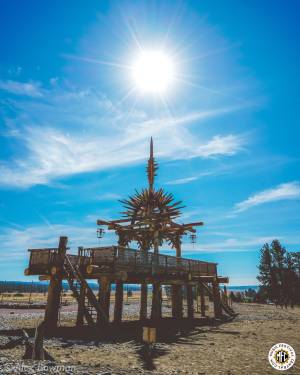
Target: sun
column 153, row 72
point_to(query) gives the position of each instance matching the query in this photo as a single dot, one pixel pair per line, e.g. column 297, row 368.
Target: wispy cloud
column 181, row 181
column 31, row 89
column 75, row 131
column 286, row 191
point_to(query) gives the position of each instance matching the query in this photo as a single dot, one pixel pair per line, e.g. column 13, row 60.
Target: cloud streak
column 285, row 191
column 31, row 89
column 75, row 131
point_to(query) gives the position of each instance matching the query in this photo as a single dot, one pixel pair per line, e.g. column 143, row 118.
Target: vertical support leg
column 190, row 301
column 118, row 302
column 81, row 306
column 217, row 299
column 156, row 302
column 53, row 302
column 225, row 295
column 104, row 297
column 202, row 299
column 177, row 305
column 144, row 296
column 55, row 288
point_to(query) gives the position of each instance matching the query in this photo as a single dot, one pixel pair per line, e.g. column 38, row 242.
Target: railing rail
column 119, row 257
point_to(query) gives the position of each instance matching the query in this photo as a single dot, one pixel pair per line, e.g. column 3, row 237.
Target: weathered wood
column 38, row 349
column 177, row 299
column 104, row 297
column 216, row 299
column 190, row 301
column 81, row 306
column 144, row 296
column 202, row 299
column 156, row 301
column 118, row 302
column 55, row 289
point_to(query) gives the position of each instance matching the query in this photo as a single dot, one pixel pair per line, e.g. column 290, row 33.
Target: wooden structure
column 148, row 220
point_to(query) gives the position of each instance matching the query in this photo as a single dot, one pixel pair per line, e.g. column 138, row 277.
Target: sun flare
column 153, row 72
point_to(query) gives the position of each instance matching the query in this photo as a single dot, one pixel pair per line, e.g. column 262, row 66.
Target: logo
column 282, row 356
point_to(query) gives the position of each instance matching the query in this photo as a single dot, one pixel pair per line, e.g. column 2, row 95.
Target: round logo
column 282, row 356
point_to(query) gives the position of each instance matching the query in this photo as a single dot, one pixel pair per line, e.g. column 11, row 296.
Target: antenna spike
column 152, row 166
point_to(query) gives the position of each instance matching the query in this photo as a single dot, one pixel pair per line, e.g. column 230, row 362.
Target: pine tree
column 267, row 274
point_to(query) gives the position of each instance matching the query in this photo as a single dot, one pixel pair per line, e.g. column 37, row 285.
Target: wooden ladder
column 76, row 281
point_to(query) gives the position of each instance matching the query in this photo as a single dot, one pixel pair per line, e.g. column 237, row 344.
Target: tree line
column 279, row 275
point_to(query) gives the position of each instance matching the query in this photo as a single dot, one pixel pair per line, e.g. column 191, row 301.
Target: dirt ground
column 204, row 346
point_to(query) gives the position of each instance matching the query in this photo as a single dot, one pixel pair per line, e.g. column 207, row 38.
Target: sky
column 75, row 129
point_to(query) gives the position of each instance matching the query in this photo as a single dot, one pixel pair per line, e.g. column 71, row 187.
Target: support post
column 118, row 302
column 156, row 294
column 190, row 301
column 217, row 298
column 177, row 298
column 156, row 301
column 55, row 288
column 144, row 296
column 104, row 297
column 177, row 302
column 202, row 299
column 81, row 306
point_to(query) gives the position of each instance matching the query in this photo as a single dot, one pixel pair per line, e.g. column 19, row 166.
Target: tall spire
column 152, row 167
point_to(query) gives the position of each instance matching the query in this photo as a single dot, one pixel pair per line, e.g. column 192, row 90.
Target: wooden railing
column 122, row 258
column 118, row 258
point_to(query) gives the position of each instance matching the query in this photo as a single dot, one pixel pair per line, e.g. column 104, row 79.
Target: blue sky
column 74, row 133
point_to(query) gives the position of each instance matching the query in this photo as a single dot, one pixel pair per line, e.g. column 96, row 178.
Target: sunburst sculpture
column 149, row 216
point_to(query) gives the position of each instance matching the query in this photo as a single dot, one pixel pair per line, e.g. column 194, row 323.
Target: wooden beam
column 104, row 297
column 81, row 306
column 54, row 290
column 216, row 299
column 156, row 301
column 190, row 301
column 202, row 299
column 118, row 302
column 144, row 296
column 176, row 291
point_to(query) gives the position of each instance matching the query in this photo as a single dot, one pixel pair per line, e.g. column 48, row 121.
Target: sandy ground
column 208, row 347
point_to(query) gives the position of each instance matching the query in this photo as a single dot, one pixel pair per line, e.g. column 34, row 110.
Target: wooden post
column 38, row 349
column 156, row 294
column 177, row 298
column 225, row 295
column 81, row 306
column 202, row 299
column 104, row 297
column 217, row 299
column 144, row 286
column 118, row 302
column 156, row 301
column 177, row 302
column 190, row 301
column 144, row 296
column 55, row 288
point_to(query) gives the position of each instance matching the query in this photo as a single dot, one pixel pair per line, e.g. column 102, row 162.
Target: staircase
column 76, row 281
column 228, row 310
